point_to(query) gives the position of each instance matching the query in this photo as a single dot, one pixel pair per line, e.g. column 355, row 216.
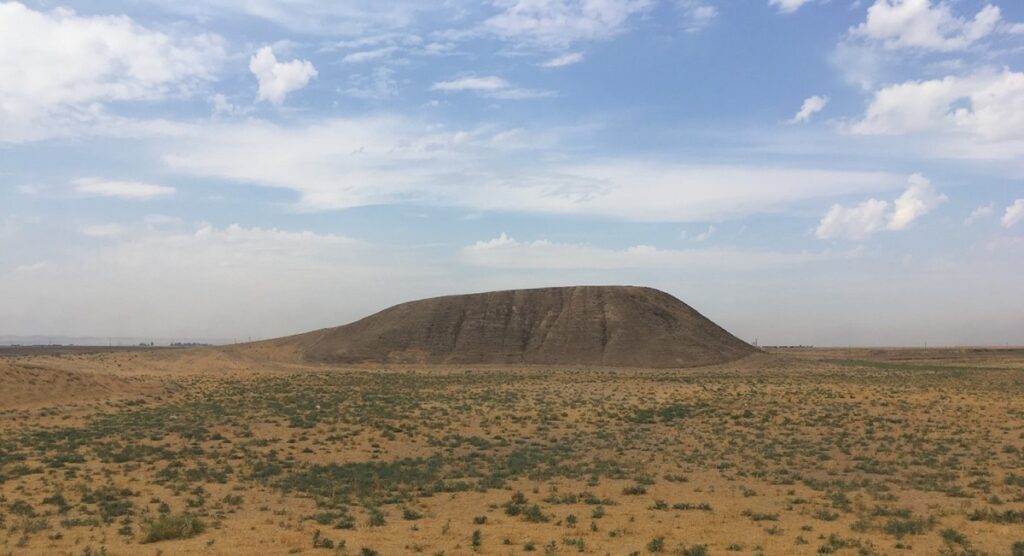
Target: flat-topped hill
column 581, row 325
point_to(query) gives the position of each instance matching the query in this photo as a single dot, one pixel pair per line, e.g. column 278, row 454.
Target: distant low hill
column 582, row 325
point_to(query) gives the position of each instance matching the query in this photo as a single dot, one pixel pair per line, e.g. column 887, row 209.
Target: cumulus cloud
column 868, row 217
column 1014, row 214
column 508, row 253
column 919, row 199
column 560, row 23
column 987, row 109
column 788, row 6
column 856, row 223
column 925, row 33
column 60, row 70
column 920, row 24
column 278, row 79
column 131, row 190
column 563, row 60
column 490, row 86
column 982, row 212
column 342, row 163
column 811, row 106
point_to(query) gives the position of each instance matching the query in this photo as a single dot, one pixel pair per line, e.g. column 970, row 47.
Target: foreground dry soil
column 797, row 452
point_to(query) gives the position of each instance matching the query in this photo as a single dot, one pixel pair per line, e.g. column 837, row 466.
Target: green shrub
column 913, row 526
column 657, row 544
column 170, row 527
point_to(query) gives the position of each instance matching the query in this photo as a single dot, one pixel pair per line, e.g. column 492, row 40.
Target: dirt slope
column 582, row 325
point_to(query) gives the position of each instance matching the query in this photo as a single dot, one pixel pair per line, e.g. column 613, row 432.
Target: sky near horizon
column 828, row 172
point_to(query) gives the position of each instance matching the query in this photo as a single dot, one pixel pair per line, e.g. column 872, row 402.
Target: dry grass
column 801, row 452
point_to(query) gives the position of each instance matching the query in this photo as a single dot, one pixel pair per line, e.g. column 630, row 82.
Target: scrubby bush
column 170, row 527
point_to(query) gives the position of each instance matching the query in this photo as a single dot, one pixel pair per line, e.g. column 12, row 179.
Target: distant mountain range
column 39, row 340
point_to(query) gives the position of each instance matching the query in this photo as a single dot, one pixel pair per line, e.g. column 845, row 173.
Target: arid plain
column 792, row 451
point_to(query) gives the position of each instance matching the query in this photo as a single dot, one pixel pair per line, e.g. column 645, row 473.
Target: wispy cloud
column 132, row 190
column 563, row 60
column 980, row 213
column 369, row 55
column 788, row 6
column 340, row 163
column 561, row 23
column 697, row 14
column 490, row 86
column 506, row 252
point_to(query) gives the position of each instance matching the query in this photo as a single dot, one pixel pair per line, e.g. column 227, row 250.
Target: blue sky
column 801, row 171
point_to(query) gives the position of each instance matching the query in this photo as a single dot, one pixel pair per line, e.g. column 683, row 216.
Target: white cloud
column 984, row 211
column 919, row 24
column 224, row 107
column 855, row 223
column 1014, row 214
column 919, row 199
column 490, row 86
column 103, row 230
column 788, row 6
column 985, row 112
column 277, row 79
column 379, row 84
column 811, row 106
column 560, row 23
column 563, row 60
column 697, row 15
column 508, row 253
column 132, row 190
column 703, row 236
column 33, row 267
column 350, row 18
column 342, row 163
column 865, row 219
column 135, row 282
column 369, row 55
column 472, row 83
column 60, row 69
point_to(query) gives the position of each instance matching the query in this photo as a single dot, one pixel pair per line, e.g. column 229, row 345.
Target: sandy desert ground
column 797, row 451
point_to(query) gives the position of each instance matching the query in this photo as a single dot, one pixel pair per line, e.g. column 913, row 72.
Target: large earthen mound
column 582, row 325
